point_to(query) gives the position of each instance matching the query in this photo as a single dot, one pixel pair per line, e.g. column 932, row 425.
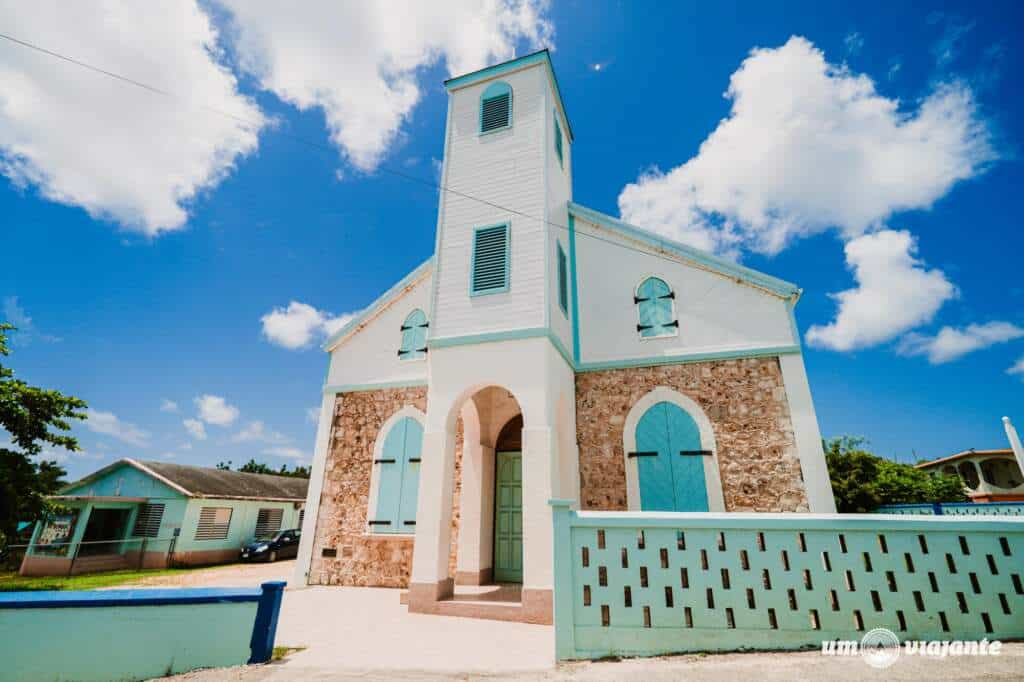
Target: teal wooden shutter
column 563, row 281
column 414, row 336
column 558, row 139
column 410, row 475
column 654, row 298
column 489, row 271
column 389, row 481
column 496, row 107
column 653, row 461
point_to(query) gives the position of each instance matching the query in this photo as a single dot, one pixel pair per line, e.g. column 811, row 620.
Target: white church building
column 545, row 350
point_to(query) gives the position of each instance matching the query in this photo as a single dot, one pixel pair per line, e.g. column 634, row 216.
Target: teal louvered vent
column 563, row 281
column 496, row 107
column 414, row 336
column 489, row 272
column 558, row 140
column 654, row 298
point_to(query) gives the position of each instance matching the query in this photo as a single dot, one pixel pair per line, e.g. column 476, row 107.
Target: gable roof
column 966, row 453
column 486, row 73
column 195, row 481
column 371, row 311
column 705, row 260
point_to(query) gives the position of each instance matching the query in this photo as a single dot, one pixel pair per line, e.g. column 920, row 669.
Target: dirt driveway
column 232, row 575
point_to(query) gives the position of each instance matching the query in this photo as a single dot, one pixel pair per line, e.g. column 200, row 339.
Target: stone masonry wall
column 745, row 400
column 361, row 558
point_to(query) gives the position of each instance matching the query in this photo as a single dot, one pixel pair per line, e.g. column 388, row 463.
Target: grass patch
column 282, row 651
column 12, row 582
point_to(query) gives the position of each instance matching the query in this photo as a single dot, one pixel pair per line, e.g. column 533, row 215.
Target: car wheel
column 273, row 556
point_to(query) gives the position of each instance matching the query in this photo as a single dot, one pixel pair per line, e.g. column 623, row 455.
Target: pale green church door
column 508, row 518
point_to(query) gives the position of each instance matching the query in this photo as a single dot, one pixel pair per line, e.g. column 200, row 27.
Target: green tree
column 33, row 417
column 254, row 467
column 862, row 481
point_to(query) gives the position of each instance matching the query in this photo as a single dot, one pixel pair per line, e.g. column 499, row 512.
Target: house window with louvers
column 214, row 523
column 268, row 522
column 147, row 523
column 489, row 272
column 563, row 282
column 414, row 336
column 655, row 300
column 496, row 107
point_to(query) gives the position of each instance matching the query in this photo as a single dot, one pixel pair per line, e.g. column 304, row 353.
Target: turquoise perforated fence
column 956, row 509
column 643, row 583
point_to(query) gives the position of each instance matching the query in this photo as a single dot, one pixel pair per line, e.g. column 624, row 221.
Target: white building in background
column 545, row 350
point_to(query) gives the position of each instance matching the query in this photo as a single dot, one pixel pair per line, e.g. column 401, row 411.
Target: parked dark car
column 284, row 544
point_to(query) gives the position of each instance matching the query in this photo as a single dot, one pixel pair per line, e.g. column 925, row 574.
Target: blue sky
column 148, row 240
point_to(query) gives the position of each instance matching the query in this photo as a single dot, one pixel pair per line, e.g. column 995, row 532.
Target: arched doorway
column 508, row 502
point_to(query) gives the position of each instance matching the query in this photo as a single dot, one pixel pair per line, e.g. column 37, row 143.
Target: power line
column 325, row 148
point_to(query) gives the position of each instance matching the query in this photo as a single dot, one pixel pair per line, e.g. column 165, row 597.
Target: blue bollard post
column 264, row 629
column 937, row 508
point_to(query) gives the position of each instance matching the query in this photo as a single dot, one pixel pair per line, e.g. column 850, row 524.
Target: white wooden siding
column 715, row 313
column 371, row 355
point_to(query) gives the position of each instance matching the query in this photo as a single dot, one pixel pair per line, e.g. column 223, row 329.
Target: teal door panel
column 389, row 490
column 411, row 475
column 653, row 462
column 669, row 481
column 508, row 517
column 691, row 493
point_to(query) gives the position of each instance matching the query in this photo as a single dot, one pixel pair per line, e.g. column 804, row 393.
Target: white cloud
column 195, row 428
column 287, row 452
column 258, row 431
column 951, row 343
column 809, row 146
column 109, row 424
column 213, row 409
column 25, row 331
column 168, row 406
column 313, row 415
column 114, row 149
column 298, row 325
column 1017, row 368
column 359, row 61
column 894, row 293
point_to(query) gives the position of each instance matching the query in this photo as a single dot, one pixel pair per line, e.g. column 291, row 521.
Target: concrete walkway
column 364, row 633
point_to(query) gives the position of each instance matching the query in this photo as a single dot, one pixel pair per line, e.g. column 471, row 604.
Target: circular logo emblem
column 880, row 647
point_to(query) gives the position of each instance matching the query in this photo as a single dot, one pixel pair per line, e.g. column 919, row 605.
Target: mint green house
column 134, row 514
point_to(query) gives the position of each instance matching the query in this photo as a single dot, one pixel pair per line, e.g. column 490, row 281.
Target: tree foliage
column 862, row 481
column 254, row 467
column 33, row 418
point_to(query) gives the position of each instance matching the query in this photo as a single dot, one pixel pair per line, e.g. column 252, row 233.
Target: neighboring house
column 546, row 350
column 155, row 514
column 990, row 475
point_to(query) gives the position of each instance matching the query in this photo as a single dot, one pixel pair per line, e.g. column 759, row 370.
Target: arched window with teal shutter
column 656, row 313
column 496, row 107
column 414, row 336
column 398, row 478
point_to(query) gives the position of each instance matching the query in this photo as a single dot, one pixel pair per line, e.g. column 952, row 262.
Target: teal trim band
column 575, row 292
column 490, row 337
column 353, row 388
column 790, row 305
column 539, row 57
column 714, row 263
column 684, row 359
column 562, row 350
column 369, row 310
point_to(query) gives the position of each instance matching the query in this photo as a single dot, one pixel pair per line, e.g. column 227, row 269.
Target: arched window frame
column 712, row 477
column 414, row 336
column 493, row 90
column 375, row 472
column 639, row 301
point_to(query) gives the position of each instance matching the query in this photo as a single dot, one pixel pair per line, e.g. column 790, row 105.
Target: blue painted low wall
column 134, row 634
column 955, row 509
